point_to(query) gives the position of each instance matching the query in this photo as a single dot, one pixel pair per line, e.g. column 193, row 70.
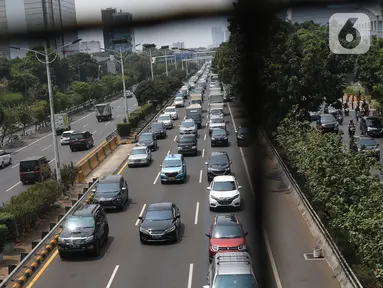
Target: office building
column 179, row 45
column 31, row 15
column 218, row 36
column 226, row 35
column 111, row 16
column 90, row 46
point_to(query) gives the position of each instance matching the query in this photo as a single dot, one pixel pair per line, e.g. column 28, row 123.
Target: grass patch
column 11, row 97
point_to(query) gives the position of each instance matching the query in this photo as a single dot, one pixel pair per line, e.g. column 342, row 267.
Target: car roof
column 85, row 210
column 224, row 178
column 70, row 131
column 173, row 156
column 364, row 137
column 218, row 153
column 160, row 206
column 111, row 179
column 173, row 107
column 146, row 133
column 79, row 132
column 163, row 114
column 188, row 120
column 229, row 219
column 32, row 158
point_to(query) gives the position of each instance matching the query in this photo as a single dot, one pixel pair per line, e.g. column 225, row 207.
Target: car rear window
column 66, row 134
column 76, row 136
column 26, row 166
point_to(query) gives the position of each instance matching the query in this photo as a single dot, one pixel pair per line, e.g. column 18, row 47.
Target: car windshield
column 26, row 166
column 75, row 223
column 367, row 142
column 217, row 120
column 187, row 124
column 235, row 281
column 226, row 232
column 374, row 123
column 170, row 110
column 224, row 186
column 158, row 215
column 218, row 132
column 157, row 126
column 76, row 136
column 164, row 118
column 215, row 111
column 66, row 134
column 138, row 151
column 329, row 118
column 168, row 163
column 179, row 99
column 186, row 140
column 146, row 137
column 107, row 188
column 219, row 160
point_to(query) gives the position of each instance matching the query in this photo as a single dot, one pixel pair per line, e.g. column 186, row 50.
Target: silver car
column 171, row 110
column 179, row 102
column 188, row 126
column 140, row 156
column 167, row 120
column 216, row 123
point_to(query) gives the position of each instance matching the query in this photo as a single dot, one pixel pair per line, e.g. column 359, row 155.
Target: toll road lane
column 10, row 180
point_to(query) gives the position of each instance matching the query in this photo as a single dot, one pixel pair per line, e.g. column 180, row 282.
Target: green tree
column 8, row 127
column 82, row 67
column 82, row 89
column 25, row 116
column 40, row 112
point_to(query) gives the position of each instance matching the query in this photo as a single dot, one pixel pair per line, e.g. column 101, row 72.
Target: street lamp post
column 46, row 61
column 165, row 48
column 150, row 46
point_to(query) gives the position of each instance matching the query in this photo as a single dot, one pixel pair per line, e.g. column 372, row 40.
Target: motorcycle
column 351, row 130
column 339, row 118
column 346, row 112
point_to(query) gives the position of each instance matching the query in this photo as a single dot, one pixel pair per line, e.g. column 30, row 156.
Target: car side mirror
column 160, row 165
column 183, row 164
column 93, row 190
column 140, row 217
column 178, row 216
column 246, row 233
column 123, row 188
column 239, row 187
column 208, row 188
column 231, row 162
column 236, row 131
column 205, row 163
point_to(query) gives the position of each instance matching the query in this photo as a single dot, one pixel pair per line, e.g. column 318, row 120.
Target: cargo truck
column 194, row 112
column 103, row 112
column 62, row 123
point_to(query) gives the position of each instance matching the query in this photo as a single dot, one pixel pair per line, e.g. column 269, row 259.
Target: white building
column 179, row 45
column 90, row 46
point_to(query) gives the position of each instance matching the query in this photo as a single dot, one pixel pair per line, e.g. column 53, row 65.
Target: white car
column 172, row 111
column 216, row 113
column 216, row 123
column 140, row 156
column 65, row 137
column 179, row 102
column 167, row 120
column 224, row 192
column 5, row 159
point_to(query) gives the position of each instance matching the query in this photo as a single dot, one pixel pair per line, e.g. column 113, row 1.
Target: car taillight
column 36, row 172
column 83, row 140
column 22, row 173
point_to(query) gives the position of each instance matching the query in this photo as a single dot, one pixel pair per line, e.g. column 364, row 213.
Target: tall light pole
column 150, row 46
column 46, row 61
column 165, row 48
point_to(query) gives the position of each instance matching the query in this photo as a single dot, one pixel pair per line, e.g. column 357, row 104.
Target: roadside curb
column 35, row 264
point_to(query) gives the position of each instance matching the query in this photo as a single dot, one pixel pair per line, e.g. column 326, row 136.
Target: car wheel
column 10, row 161
column 177, row 236
column 142, row 241
column 24, row 182
column 107, row 232
column 62, row 255
column 2, row 165
column 162, row 182
column 96, row 250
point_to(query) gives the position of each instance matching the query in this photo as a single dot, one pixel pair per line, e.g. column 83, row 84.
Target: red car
column 226, row 234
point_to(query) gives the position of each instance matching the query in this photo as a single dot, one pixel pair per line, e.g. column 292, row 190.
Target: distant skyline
column 192, row 33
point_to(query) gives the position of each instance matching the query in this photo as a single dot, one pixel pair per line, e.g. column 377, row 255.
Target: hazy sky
column 194, row 33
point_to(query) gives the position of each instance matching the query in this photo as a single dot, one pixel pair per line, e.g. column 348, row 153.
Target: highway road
column 42, row 146
column 125, row 262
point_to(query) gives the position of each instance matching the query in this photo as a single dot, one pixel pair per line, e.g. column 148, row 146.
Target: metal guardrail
column 43, row 242
column 348, row 279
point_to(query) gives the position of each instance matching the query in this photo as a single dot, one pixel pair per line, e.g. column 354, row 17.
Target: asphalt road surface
column 125, row 262
column 42, row 146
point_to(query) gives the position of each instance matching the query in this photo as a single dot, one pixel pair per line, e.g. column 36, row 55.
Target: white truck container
column 103, row 112
column 62, row 123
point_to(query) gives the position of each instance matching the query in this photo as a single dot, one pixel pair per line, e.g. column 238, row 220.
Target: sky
column 192, row 33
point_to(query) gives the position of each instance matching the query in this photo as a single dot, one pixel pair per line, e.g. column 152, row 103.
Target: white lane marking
column 204, row 137
column 142, row 212
column 196, row 214
column 46, row 148
column 190, row 279
column 107, row 123
column 52, row 160
column 118, row 106
column 175, row 138
column 94, row 132
column 13, row 186
column 268, row 247
column 200, row 176
column 118, row 116
column 112, row 277
column 155, row 180
column 34, row 142
column 168, row 152
column 203, row 152
column 85, row 125
column 14, row 166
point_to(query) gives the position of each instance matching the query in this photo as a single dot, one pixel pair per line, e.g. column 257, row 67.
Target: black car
column 218, row 164
column 161, row 222
column 219, row 138
column 149, row 140
column 371, row 126
column 187, row 144
column 242, row 135
column 111, row 192
column 158, row 129
column 84, row 231
column 365, row 144
column 80, row 140
column 327, row 123
column 33, row 169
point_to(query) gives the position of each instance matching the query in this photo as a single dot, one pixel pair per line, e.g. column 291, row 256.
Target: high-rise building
column 90, row 46
column 110, row 16
column 218, row 36
column 179, row 45
column 226, row 34
column 31, row 15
